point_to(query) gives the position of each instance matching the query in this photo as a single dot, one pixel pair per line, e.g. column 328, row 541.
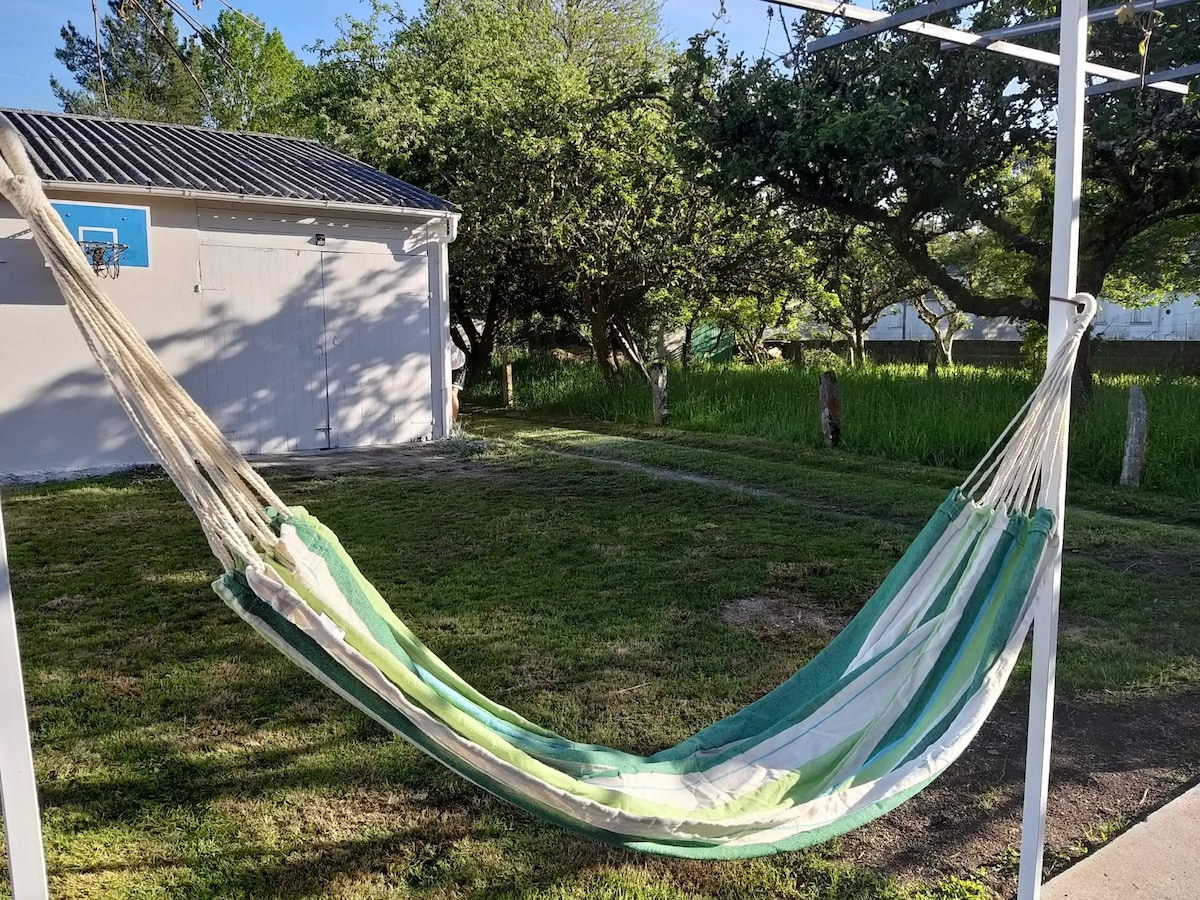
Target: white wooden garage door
column 310, row 350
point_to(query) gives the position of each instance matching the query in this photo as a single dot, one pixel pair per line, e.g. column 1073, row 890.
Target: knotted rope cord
column 226, row 494
column 1022, row 467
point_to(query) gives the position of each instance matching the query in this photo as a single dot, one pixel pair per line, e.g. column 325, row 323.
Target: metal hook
column 1079, row 307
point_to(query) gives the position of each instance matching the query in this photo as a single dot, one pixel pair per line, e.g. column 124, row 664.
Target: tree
column 248, row 74
column 921, row 144
column 547, row 122
column 136, row 68
column 481, row 102
column 522, row 113
column 944, row 320
column 860, row 278
column 739, row 268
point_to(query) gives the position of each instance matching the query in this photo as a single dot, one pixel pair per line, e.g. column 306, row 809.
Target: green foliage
column 237, row 75
column 860, row 277
column 1156, row 264
column 955, row 889
column 139, row 71
column 1034, row 346
column 534, row 118
column 927, row 146
column 546, row 123
column 249, row 75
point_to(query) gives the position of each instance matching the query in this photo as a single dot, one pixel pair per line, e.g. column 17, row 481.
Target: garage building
column 299, row 295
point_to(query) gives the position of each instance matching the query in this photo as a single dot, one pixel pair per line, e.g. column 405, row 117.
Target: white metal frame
column 18, row 786
column 1073, row 69
column 966, row 39
column 1043, row 25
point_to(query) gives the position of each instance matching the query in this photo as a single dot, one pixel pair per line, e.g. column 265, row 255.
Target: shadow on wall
column 287, row 350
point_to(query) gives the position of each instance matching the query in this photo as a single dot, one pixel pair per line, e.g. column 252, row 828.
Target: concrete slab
column 1157, row 859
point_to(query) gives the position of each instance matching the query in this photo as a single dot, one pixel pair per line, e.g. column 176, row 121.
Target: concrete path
column 1157, row 859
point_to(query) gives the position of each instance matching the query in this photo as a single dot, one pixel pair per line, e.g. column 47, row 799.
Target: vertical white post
column 1068, row 184
column 440, row 328
column 18, row 789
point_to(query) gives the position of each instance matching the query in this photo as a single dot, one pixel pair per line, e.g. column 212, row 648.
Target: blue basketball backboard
column 129, row 225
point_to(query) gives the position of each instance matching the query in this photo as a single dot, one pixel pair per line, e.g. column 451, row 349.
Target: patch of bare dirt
column 1160, row 564
column 778, row 618
column 1112, row 766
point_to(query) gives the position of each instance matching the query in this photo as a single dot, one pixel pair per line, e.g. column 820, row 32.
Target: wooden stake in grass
column 1135, row 439
column 658, row 394
column 506, row 382
column 831, row 410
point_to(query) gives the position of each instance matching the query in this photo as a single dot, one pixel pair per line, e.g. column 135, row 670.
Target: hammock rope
column 876, row 716
column 226, row 494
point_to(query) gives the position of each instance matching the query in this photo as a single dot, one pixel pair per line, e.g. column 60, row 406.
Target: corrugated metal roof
column 91, row 150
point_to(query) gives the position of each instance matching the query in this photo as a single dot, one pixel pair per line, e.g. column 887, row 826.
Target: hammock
column 874, row 718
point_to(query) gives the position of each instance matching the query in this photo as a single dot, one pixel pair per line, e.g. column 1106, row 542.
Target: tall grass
column 889, row 411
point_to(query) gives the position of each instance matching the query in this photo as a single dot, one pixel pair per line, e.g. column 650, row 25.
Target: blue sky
column 30, row 33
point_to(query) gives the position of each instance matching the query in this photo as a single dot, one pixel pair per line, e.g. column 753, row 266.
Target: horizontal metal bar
column 1096, row 15
column 849, row 11
column 1153, row 78
column 895, row 20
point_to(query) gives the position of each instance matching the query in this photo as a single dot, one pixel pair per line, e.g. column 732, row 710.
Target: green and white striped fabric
column 875, row 717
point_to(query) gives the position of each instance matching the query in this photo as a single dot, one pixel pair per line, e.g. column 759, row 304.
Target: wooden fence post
column 506, row 382
column 1135, row 439
column 831, row 410
column 658, row 394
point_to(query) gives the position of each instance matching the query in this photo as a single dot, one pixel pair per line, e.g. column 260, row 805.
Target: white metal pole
column 1068, row 184
column 18, row 788
column 967, row 39
column 442, row 341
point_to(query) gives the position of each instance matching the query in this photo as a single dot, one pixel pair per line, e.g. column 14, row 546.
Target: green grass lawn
column 179, row 756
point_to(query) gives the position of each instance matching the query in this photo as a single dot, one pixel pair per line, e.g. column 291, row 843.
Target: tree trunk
column 1135, row 440
column 831, row 410
column 1083, row 384
column 482, row 344
column 685, row 352
column 627, row 343
column 933, row 358
column 660, row 408
column 506, row 381
column 601, row 338
column 1092, row 269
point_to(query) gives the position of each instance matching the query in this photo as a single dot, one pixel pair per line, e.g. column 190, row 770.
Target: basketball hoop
column 104, row 257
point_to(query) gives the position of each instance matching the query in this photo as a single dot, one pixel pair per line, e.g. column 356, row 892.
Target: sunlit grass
column 895, row 412
column 180, row 757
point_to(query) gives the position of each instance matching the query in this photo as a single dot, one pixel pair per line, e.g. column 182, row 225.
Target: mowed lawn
column 564, row 572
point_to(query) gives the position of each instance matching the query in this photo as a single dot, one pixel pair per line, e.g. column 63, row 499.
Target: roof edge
column 133, row 190
column 59, row 114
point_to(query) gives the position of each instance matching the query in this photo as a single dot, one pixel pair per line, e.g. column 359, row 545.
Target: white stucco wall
column 276, row 331
column 1176, row 320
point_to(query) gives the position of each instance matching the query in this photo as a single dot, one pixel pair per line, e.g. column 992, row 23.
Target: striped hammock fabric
column 869, row 722
column 876, row 716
